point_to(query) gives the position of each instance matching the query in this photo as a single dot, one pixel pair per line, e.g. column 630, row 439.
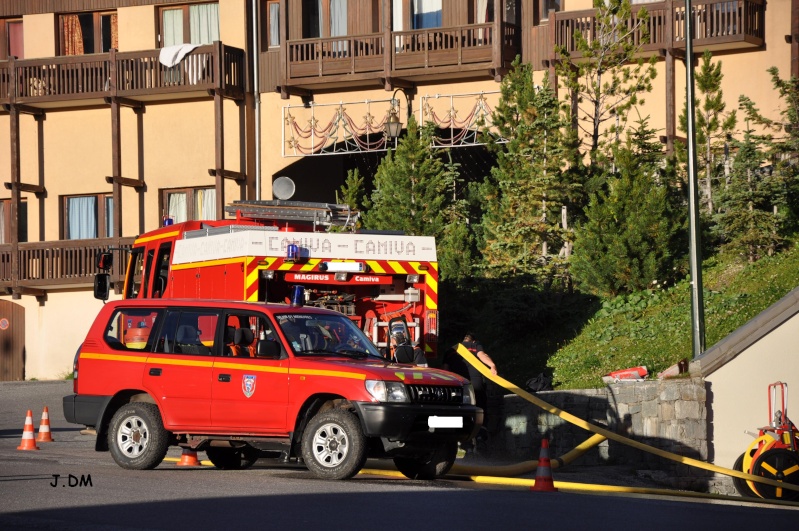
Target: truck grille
column 436, row 394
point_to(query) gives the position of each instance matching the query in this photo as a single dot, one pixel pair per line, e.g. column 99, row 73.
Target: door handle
column 224, row 378
column 155, row 372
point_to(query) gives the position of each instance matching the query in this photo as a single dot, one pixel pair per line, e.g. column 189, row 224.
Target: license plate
column 445, row 422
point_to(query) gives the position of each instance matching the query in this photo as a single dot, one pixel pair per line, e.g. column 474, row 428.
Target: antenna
column 283, row 188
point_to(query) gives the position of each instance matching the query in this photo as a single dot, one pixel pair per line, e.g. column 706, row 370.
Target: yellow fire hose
column 568, row 417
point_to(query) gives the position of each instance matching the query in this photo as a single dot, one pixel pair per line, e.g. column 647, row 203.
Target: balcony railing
column 59, row 264
column 124, row 74
column 717, row 25
column 417, row 52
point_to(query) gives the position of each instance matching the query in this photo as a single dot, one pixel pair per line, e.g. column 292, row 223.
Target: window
column 189, row 24
column 82, row 33
column 426, row 14
column 188, row 331
column 484, row 11
column 243, row 331
column 130, row 329
column 186, row 204
column 11, row 40
column 88, row 216
column 546, row 6
column 324, row 18
column 5, row 221
column 270, row 23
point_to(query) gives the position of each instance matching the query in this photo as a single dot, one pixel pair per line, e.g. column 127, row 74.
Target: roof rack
column 324, row 214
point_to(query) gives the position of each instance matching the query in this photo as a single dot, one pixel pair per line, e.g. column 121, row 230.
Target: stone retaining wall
column 671, row 415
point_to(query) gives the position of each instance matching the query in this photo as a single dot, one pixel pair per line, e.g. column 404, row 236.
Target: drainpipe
column 256, row 33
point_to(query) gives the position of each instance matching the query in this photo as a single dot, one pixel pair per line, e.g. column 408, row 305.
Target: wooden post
column 15, row 179
column 794, row 38
column 553, row 76
column 116, row 151
column 496, row 44
column 388, row 43
column 219, row 134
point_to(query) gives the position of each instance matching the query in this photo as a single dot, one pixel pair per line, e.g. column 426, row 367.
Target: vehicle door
column 178, row 372
column 248, row 392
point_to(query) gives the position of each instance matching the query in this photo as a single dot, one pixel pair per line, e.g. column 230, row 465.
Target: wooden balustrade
column 60, row 263
column 132, row 74
column 718, row 24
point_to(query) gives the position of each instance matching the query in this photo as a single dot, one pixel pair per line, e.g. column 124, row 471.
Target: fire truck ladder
column 320, row 214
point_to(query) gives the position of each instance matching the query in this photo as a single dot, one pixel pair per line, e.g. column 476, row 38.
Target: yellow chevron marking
column 375, row 266
column 146, row 239
column 396, row 266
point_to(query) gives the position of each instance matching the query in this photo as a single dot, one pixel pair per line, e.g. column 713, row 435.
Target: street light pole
column 697, row 301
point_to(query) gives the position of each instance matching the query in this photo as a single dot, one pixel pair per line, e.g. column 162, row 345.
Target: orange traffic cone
column 28, row 443
column 44, row 428
column 188, row 458
column 543, row 473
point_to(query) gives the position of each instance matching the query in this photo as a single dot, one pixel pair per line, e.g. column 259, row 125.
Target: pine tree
column 748, row 220
column 632, row 233
column 607, row 80
column 713, row 123
column 782, row 142
column 352, row 194
column 523, row 197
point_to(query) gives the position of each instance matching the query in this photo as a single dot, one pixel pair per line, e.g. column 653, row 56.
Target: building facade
column 121, row 113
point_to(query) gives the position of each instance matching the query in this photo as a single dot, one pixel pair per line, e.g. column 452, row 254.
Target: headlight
column 387, row 391
column 468, row 395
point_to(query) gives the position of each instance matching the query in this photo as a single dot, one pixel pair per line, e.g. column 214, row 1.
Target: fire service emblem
column 248, row 384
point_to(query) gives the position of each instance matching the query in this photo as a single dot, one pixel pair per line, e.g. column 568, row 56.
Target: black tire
column 333, row 445
column 232, row 458
column 780, row 464
column 136, row 437
column 740, row 484
column 433, row 466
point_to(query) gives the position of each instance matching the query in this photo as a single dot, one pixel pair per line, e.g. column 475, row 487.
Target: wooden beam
column 125, row 102
column 227, row 174
column 125, row 181
column 25, row 187
column 24, row 109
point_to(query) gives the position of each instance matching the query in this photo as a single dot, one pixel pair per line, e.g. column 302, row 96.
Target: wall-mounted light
column 393, row 126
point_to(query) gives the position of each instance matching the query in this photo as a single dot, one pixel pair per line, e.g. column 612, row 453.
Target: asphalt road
column 272, row 496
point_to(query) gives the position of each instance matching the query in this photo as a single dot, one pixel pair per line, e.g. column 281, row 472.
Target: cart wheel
column 758, row 446
column 779, row 464
column 741, row 485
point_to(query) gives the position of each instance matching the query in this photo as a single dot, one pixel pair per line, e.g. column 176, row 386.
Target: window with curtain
column 426, row 14
column 12, row 44
column 270, row 11
column 324, row 18
column 5, row 221
column 190, row 24
column 186, row 204
column 88, row 216
column 83, row 33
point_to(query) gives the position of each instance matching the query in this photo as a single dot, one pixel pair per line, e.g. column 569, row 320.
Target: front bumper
column 409, row 422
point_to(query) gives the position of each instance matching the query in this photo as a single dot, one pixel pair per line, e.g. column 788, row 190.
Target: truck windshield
column 315, row 335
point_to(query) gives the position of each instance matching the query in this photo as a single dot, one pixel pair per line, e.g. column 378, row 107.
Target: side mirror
column 102, row 286
column 105, row 260
column 268, row 349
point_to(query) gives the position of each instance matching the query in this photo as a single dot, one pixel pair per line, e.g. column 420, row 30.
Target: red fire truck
column 268, row 247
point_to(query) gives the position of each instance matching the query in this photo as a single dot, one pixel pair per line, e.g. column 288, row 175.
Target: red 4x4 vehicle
column 235, row 379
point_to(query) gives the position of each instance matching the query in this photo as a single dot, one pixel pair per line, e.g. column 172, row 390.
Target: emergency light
column 292, row 252
column 297, row 296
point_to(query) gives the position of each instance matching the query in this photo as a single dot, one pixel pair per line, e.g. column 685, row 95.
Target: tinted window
column 131, row 329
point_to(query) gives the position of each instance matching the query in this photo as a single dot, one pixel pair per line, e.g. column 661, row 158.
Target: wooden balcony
column 57, row 264
column 719, row 25
column 472, row 51
column 87, row 79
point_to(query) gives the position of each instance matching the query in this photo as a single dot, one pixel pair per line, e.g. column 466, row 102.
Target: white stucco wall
column 738, row 390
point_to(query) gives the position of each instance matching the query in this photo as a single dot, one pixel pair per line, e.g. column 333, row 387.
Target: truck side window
column 131, row 329
column 161, row 270
column 134, row 275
